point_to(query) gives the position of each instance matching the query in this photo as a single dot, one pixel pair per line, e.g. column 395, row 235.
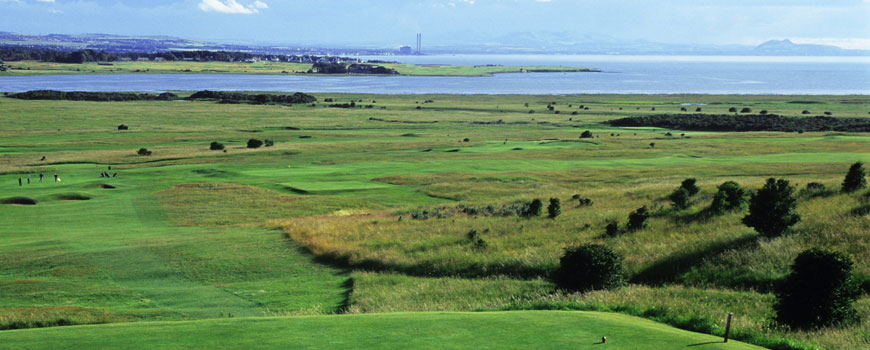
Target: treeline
column 92, row 96
column 728, row 122
column 85, row 56
column 355, row 68
column 235, row 97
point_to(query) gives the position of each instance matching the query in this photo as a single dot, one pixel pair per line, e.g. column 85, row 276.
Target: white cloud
column 51, row 1
column 231, row 6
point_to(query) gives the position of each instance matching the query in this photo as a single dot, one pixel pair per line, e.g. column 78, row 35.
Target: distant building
column 405, row 50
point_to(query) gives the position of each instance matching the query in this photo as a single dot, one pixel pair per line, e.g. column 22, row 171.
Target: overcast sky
column 844, row 23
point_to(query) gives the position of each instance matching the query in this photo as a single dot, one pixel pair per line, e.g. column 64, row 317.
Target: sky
column 391, row 23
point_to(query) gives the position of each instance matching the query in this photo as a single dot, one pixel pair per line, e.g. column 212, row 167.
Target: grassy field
column 323, row 221
column 26, row 68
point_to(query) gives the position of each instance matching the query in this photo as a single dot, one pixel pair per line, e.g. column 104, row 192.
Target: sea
column 619, row 74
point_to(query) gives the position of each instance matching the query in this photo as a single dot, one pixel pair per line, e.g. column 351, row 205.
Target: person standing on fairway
column 56, row 179
column 19, row 182
column 40, row 177
column 28, row 179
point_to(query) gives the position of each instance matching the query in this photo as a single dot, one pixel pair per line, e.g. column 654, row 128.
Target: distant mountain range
column 515, row 43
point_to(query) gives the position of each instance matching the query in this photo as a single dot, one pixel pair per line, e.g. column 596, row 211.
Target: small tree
column 689, row 185
column 554, row 209
column 680, row 198
column 855, row 178
column 216, row 146
column 589, row 267
column 819, row 292
column 772, row 208
column 254, row 143
column 746, row 110
column 143, row 152
column 732, row 110
column 612, row 228
column 638, row 219
column 730, row 196
column 586, row 135
column 535, row 208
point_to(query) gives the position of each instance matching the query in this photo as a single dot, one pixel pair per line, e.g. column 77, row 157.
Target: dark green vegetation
column 855, row 179
column 236, row 97
column 819, row 292
column 92, row 96
column 589, row 267
column 323, row 221
column 772, row 210
column 733, row 122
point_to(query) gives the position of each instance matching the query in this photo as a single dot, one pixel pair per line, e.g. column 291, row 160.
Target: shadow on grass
column 669, row 269
column 706, row 343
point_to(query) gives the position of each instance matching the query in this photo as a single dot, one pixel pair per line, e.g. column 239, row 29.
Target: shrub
column 143, row 152
column 732, row 110
column 638, row 219
column 855, row 178
column 216, row 146
column 269, row 143
column 746, row 110
column 554, row 209
column 581, row 201
column 729, row 196
column 819, row 292
column 254, row 143
column 805, row 112
column 763, row 112
column 535, row 207
column 476, row 240
column 698, row 109
column 689, row 185
column 772, row 209
column 589, row 267
column 680, row 198
column 612, row 228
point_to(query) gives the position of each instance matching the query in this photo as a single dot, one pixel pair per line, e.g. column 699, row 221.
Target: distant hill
column 786, row 47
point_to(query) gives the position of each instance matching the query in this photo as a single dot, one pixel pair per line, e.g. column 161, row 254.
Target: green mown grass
column 491, row 330
column 188, row 233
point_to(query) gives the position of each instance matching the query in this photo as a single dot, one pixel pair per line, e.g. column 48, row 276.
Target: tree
column 746, row 110
column 638, row 219
column 554, row 209
column 535, row 208
column 680, row 198
column 855, row 178
column 216, row 146
column 612, row 228
column 772, row 208
column 589, row 267
column 143, row 152
column 586, row 135
column 254, row 143
column 689, row 185
column 819, row 292
column 729, row 196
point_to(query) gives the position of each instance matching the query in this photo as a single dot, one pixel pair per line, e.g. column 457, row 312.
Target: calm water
column 621, row 74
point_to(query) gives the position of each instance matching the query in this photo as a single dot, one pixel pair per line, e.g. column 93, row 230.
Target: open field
column 323, row 222
column 24, row 68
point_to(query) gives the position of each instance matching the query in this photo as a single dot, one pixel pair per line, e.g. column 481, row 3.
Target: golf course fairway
column 485, row 330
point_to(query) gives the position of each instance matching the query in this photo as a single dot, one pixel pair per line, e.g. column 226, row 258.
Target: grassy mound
column 495, row 330
column 19, row 201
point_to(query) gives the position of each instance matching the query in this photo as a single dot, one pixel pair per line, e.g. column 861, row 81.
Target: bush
column 819, row 292
column 805, row 112
column 581, row 201
column 554, row 209
column 732, row 110
column 730, row 196
column 855, row 178
column 746, row 110
column 143, row 152
column 689, row 185
column 763, row 112
column 680, row 198
column 638, row 219
column 535, row 207
column 586, row 135
column 254, row 143
column 589, row 267
column 772, row 209
column 269, row 143
column 216, row 146
column 612, row 228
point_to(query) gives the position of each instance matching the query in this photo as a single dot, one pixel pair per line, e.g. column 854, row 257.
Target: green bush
column 143, row 152
column 638, row 219
column 254, row 143
column 216, row 146
column 586, row 135
column 535, row 207
column 268, row 143
column 589, row 267
column 689, row 185
column 554, row 209
column 855, row 178
column 680, row 198
column 772, row 208
column 819, row 292
column 612, row 228
column 729, row 196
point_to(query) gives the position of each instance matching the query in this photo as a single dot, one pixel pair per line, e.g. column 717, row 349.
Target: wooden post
column 728, row 328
